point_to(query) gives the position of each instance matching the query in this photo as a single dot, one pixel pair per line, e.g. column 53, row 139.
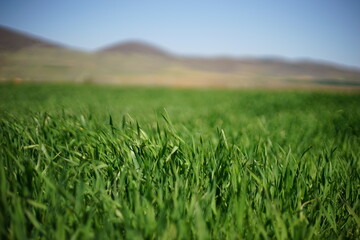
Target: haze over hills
column 26, row 57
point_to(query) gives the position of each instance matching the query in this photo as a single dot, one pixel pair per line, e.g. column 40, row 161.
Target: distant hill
column 135, row 47
column 12, row 40
column 29, row 58
column 270, row 66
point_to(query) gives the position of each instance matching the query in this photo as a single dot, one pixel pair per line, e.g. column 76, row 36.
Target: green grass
column 86, row 162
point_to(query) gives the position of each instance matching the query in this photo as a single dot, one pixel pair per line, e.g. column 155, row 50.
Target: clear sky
column 317, row 29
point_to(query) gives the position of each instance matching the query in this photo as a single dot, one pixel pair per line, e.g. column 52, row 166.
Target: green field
column 91, row 162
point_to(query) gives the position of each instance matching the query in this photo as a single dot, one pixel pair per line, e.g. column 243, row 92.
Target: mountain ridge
column 16, row 39
column 134, row 47
column 13, row 40
column 138, row 60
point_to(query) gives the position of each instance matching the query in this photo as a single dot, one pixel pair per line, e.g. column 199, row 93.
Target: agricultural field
column 105, row 162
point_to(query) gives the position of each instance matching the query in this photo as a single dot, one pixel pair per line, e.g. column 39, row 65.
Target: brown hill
column 30, row 58
column 135, row 47
column 275, row 67
column 13, row 40
column 269, row 66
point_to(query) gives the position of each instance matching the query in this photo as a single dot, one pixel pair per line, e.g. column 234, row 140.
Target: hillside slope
column 12, row 40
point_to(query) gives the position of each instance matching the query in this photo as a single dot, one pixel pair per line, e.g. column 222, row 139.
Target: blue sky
column 317, row 29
